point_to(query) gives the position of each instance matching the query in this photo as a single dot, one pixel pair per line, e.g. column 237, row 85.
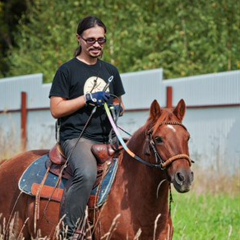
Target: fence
column 213, row 113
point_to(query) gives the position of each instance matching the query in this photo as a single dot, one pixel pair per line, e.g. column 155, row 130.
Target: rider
column 79, row 86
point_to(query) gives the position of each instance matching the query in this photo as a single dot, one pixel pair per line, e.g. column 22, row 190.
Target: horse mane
column 166, row 116
column 151, row 125
column 2, row 161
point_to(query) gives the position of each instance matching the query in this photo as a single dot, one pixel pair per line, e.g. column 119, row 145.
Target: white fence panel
column 213, row 114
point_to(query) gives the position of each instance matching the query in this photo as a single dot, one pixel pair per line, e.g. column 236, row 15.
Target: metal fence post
column 24, row 120
column 169, row 97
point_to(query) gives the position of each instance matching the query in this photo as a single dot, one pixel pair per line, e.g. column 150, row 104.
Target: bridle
column 160, row 163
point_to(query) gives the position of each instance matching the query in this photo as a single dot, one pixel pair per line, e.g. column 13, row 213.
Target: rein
column 161, row 164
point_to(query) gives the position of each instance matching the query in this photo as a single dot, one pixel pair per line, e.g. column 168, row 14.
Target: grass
column 206, row 217
column 210, row 211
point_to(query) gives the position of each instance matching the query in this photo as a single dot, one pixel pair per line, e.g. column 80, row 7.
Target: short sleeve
column 61, row 84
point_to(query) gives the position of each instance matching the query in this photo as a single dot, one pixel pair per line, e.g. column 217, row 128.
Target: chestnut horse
column 138, row 206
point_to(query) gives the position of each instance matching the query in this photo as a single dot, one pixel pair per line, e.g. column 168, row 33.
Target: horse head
column 169, row 139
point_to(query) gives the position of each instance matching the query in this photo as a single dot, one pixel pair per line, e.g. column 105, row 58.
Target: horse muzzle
column 182, row 180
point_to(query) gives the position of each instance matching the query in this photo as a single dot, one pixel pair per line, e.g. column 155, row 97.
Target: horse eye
column 158, row 140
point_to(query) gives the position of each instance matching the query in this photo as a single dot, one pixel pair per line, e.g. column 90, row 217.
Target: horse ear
column 155, row 110
column 180, row 110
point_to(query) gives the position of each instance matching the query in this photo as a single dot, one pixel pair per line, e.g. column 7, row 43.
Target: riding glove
column 97, row 98
column 118, row 110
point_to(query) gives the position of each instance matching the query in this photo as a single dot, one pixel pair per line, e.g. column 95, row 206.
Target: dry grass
column 8, row 144
column 208, row 182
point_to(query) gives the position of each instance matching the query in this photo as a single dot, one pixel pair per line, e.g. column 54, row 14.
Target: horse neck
column 135, row 172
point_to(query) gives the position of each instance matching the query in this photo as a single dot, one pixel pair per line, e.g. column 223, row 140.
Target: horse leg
column 167, row 233
column 13, row 203
column 44, row 218
column 14, row 219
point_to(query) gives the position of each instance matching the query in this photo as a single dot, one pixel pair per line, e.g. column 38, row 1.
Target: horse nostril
column 179, row 178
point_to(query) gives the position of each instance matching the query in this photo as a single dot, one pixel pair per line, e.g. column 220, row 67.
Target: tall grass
column 206, row 217
column 210, row 211
column 9, row 143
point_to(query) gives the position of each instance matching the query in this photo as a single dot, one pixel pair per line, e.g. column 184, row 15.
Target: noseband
column 164, row 164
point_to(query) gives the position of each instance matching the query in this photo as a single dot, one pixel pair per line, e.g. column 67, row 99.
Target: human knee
column 86, row 177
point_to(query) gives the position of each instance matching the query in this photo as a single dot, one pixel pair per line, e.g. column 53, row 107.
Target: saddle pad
column 35, row 174
column 104, row 189
column 31, row 180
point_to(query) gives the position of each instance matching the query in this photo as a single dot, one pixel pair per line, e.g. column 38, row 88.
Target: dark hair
column 87, row 23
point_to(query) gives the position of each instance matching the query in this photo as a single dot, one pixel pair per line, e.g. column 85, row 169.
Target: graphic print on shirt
column 94, row 84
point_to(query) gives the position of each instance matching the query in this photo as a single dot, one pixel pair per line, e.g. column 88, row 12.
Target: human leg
column 84, row 167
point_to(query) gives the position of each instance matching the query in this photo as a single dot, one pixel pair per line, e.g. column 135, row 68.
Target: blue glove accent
column 97, row 98
column 118, row 110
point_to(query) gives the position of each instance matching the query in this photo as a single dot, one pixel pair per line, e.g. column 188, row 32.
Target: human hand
column 97, row 98
column 118, row 110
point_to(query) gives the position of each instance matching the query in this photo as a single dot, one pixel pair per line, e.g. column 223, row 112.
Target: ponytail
column 77, row 51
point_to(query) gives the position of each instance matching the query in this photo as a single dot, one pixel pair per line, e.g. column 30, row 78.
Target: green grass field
column 211, row 211
column 206, row 217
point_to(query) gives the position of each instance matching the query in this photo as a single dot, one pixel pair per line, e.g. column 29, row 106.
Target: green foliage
column 183, row 37
column 10, row 12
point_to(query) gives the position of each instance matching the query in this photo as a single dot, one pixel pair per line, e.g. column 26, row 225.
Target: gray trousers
column 84, row 168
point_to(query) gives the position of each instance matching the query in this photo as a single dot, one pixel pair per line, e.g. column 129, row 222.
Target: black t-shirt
column 76, row 78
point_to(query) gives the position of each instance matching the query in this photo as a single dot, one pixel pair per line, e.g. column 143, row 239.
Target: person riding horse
column 79, row 89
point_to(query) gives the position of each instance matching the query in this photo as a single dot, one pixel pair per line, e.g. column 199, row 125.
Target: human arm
column 61, row 107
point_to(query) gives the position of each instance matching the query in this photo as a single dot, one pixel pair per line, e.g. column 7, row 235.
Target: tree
column 10, row 13
column 182, row 37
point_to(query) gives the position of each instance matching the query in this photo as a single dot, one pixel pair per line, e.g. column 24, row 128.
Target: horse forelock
column 2, row 161
column 152, row 125
column 166, row 116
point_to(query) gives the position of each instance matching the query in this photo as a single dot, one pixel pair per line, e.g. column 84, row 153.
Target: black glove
column 97, row 98
column 118, row 110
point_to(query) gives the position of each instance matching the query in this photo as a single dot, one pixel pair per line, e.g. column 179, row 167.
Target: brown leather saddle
column 104, row 153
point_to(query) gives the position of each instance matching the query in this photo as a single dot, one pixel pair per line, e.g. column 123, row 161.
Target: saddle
column 104, row 153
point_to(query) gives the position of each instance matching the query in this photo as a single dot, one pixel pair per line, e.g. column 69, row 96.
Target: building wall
column 213, row 113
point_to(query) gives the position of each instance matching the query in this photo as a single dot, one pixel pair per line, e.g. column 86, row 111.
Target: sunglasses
column 91, row 41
